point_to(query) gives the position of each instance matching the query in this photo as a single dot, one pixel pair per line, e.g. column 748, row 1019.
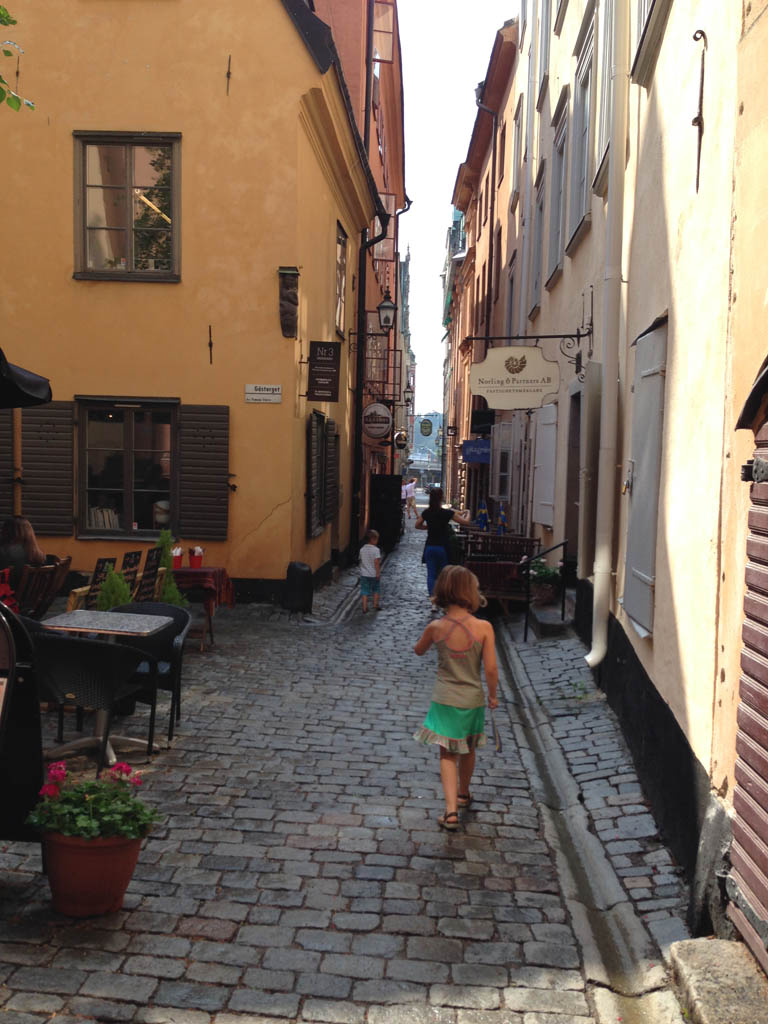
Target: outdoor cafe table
column 216, row 588
column 109, row 625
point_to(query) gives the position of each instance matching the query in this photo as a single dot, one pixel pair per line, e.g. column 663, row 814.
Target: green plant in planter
column 114, row 591
column 170, row 593
column 94, row 808
column 540, row 572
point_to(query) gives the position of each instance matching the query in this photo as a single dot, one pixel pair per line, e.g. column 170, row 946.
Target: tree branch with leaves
column 12, row 98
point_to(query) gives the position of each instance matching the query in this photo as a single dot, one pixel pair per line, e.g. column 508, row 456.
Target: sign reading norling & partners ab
column 515, row 378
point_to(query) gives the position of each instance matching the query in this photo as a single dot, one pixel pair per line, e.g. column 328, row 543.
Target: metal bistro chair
column 92, row 674
column 167, row 647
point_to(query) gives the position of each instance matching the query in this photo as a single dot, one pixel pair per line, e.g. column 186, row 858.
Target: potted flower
column 545, row 580
column 92, row 834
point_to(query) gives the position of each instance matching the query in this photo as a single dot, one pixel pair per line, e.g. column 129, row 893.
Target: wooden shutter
column 47, row 440
column 647, row 429
column 331, row 481
column 315, row 461
column 544, row 466
column 748, row 881
column 203, row 471
column 589, row 444
column 6, row 463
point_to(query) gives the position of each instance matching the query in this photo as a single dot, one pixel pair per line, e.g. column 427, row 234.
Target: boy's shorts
column 369, row 585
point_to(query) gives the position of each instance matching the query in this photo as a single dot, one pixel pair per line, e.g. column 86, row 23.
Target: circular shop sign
column 377, row 420
column 426, row 427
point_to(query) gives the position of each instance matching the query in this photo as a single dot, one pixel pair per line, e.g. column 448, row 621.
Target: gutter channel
column 619, row 956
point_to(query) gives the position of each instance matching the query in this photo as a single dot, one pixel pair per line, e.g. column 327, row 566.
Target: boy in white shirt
column 370, row 571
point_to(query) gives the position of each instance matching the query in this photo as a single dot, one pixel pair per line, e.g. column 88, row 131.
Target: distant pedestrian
column 370, row 571
column 435, row 520
column 456, row 717
column 410, row 496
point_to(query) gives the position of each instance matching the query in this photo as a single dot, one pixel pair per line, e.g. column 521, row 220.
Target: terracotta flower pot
column 544, row 593
column 89, row 876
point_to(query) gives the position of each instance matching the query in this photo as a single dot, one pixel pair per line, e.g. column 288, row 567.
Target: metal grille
column 748, row 881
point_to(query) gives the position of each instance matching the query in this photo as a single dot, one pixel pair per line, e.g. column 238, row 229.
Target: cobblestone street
column 300, row 874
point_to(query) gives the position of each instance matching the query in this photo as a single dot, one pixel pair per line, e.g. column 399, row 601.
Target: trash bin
column 298, row 588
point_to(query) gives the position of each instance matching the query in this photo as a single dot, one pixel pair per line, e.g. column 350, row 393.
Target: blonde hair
column 457, row 585
column 372, row 535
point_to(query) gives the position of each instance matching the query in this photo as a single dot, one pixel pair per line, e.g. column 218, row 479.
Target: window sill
column 105, row 275
column 514, row 200
column 600, row 181
column 534, row 311
column 582, row 228
column 129, row 535
column 554, row 277
column 562, row 7
column 542, row 91
column 644, row 64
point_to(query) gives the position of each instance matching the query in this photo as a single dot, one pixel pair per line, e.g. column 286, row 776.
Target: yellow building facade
column 186, row 205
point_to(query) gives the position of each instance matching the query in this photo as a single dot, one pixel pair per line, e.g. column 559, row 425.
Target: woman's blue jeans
column 436, row 558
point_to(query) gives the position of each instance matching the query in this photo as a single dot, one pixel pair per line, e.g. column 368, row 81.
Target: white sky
column 446, row 47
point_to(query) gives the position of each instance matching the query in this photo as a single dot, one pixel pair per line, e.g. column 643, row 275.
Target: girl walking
column 456, row 717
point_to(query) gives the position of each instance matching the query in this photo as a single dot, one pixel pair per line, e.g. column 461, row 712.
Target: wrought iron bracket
column 698, row 121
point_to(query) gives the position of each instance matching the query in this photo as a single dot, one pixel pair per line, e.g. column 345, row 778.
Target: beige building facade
column 629, row 222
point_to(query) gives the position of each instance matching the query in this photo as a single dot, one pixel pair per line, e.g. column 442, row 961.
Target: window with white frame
column 510, row 311
column 523, row 18
column 544, row 32
column 502, row 442
column 517, row 151
column 558, row 203
column 582, row 125
column 502, row 153
column 538, row 243
column 341, row 277
column 606, row 81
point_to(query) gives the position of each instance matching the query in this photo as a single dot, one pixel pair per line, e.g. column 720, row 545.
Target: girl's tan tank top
column 459, row 683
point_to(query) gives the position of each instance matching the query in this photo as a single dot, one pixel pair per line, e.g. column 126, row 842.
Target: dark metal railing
column 525, row 567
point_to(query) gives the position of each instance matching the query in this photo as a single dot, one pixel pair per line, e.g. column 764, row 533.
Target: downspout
column 489, row 278
column 526, row 219
column 606, row 480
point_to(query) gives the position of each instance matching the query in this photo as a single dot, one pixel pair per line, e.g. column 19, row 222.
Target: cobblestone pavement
column 299, row 873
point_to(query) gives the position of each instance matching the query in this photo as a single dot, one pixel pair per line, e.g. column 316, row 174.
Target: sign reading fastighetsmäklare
column 515, row 378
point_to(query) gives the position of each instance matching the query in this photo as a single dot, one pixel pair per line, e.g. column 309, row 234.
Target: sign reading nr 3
column 324, row 363
column 515, row 377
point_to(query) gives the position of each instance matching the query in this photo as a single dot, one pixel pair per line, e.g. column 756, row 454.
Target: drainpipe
column 606, row 480
column 522, row 318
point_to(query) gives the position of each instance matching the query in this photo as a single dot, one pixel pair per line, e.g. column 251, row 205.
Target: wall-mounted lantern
column 408, row 394
column 386, row 310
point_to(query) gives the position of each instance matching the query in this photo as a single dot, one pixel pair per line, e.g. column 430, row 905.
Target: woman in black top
column 436, row 521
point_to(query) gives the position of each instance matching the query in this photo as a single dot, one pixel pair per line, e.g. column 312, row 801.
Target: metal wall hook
column 698, row 121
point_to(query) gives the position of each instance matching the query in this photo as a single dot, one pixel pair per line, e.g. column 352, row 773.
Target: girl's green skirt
column 459, row 730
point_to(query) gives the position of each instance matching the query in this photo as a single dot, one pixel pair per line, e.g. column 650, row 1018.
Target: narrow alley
column 299, row 872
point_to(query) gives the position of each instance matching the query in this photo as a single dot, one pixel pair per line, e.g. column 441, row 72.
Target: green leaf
column 7, row 53
column 13, row 101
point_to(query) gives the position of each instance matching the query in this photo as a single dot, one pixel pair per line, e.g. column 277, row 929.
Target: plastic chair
column 93, row 674
column 167, row 647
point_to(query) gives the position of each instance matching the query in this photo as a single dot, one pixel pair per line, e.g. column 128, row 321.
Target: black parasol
column 20, row 387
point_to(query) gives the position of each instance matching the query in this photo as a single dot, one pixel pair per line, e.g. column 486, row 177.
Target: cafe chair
column 167, row 647
column 39, row 585
column 92, row 674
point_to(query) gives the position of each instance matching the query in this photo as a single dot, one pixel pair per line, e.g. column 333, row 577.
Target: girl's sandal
column 464, row 799
column 449, row 821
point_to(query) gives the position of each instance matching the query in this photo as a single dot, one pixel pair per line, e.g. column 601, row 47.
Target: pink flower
column 136, row 780
column 121, row 768
column 49, row 789
column 57, row 773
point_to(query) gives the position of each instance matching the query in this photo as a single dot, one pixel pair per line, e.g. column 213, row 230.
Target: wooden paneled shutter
column 6, row 463
column 203, row 472
column 315, row 461
column 748, row 881
column 647, row 431
column 544, row 465
column 332, row 472
column 47, row 441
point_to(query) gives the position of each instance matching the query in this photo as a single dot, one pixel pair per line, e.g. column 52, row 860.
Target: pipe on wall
column 609, row 408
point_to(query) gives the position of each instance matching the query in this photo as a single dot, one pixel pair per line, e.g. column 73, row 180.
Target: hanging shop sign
column 324, row 362
column 377, row 420
column 515, row 378
column 426, row 427
column 477, row 450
